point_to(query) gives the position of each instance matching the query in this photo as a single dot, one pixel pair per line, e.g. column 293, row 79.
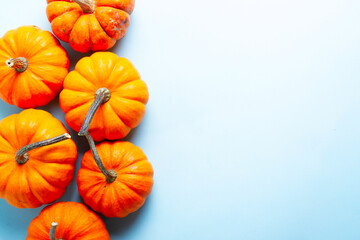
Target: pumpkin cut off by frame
column 90, row 25
column 68, row 221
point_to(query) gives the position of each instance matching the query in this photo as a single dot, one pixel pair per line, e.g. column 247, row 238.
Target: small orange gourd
column 33, row 66
column 116, row 179
column 107, row 89
column 37, row 159
column 90, row 25
column 68, row 221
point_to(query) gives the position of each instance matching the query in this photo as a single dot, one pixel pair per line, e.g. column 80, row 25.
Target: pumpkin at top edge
column 125, row 107
column 90, row 25
column 33, row 66
column 41, row 175
column 68, row 221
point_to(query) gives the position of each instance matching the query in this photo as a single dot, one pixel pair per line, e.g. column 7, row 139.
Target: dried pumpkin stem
column 88, row 6
column 102, row 95
column 53, row 230
column 110, row 175
column 20, row 64
column 22, row 156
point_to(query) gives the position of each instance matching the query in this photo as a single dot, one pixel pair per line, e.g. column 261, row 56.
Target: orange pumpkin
column 90, row 25
column 116, row 179
column 110, row 89
column 37, row 159
column 33, row 66
column 67, row 220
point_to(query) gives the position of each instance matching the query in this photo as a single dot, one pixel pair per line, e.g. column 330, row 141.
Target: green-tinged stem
column 102, row 95
column 88, row 6
column 110, row 175
column 22, row 156
column 20, row 64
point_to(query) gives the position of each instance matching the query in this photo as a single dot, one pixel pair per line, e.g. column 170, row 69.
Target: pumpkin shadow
column 121, row 226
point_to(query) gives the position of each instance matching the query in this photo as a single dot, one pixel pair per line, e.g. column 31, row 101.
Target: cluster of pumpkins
column 103, row 99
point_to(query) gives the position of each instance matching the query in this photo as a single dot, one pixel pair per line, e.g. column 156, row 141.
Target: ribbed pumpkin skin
column 49, row 170
column 48, row 66
column 86, row 32
column 132, row 186
column 126, row 107
column 75, row 222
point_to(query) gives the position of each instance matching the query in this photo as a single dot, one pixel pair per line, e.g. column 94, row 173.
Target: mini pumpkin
column 90, row 25
column 67, row 220
column 33, row 66
column 107, row 89
column 37, row 159
column 116, row 179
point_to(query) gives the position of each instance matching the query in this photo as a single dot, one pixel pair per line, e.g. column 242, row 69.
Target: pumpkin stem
column 110, row 175
column 22, row 157
column 88, row 6
column 20, row 64
column 102, row 95
column 52, row 230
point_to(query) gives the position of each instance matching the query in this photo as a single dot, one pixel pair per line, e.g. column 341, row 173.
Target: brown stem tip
column 20, row 64
column 22, row 156
column 88, row 6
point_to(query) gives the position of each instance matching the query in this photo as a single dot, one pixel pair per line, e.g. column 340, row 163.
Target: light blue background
column 253, row 123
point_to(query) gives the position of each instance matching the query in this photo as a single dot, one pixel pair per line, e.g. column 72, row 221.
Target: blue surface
column 253, row 123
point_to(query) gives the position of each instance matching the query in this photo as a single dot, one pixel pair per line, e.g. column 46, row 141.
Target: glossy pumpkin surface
column 75, row 222
column 49, row 169
column 93, row 28
column 123, row 111
column 47, row 66
column 129, row 190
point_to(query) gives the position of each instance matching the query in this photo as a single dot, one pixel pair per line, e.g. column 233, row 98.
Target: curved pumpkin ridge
column 5, row 50
column 137, row 200
column 31, row 201
column 42, row 189
column 5, row 148
column 123, row 73
column 7, row 85
column 34, row 39
column 94, row 195
column 129, row 111
column 125, row 5
column 79, row 37
column 8, row 132
column 86, row 68
column 103, row 64
column 54, row 78
column 99, row 39
column 75, row 117
column 117, row 195
column 75, row 81
column 54, row 56
column 58, row 8
column 10, row 44
column 53, row 175
column 113, row 21
column 7, row 170
column 25, row 128
column 116, row 128
column 16, row 198
column 135, row 90
column 63, row 25
column 74, row 99
column 32, row 89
